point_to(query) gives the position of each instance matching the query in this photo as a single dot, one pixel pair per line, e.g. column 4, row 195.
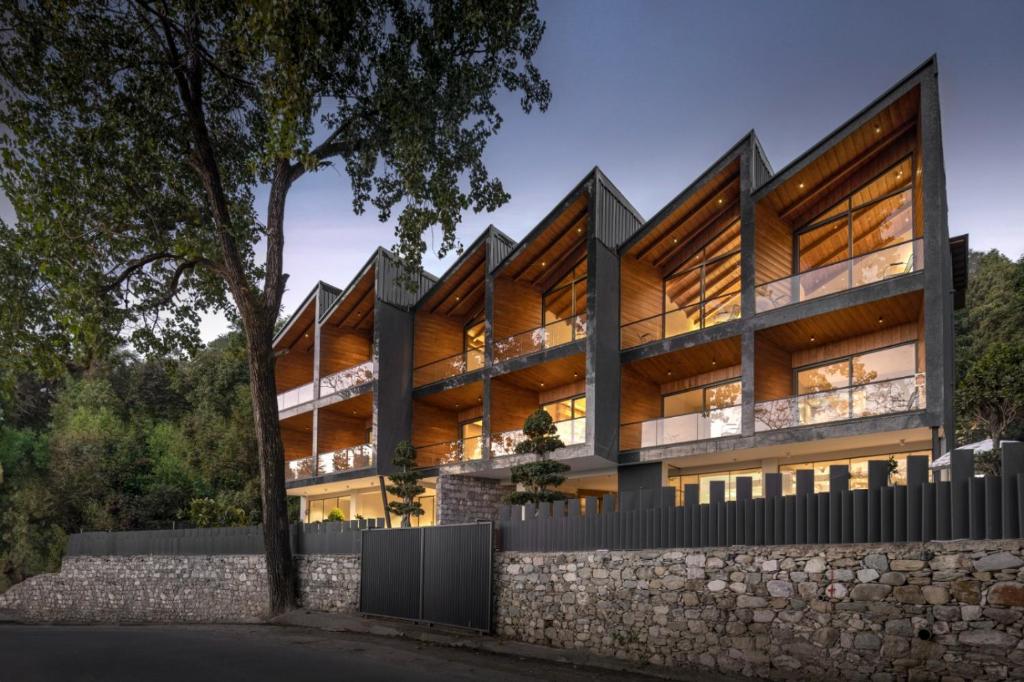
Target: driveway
column 224, row 653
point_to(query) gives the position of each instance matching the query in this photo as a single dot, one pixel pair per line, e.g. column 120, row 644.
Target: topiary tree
column 336, row 515
column 535, row 478
column 405, row 484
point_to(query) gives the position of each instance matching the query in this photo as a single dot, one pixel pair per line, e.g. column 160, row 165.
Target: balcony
column 298, row 469
column 551, row 335
column 445, row 368
column 894, row 261
column 450, row 452
column 351, row 377
column 905, row 394
column 295, row 397
column 571, row 431
column 346, row 459
column 681, row 321
column 683, row 428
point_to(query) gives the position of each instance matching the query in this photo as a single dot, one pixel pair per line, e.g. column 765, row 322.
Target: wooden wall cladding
column 294, row 368
column 335, row 431
column 517, row 307
column 773, row 244
column 641, row 398
column 921, row 346
column 433, row 425
column 436, row 337
column 343, row 348
column 550, row 395
column 702, row 379
column 640, row 290
column 773, row 367
column 510, row 406
column 298, row 442
column 882, row 338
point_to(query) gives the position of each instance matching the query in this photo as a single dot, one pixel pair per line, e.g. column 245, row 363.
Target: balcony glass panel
column 347, row 378
column 685, row 428
column 298, row 469
column 883, row 224
column 449, row 452
column 877, row 266
column 904, row 394
column 823, row 245
column 571, row 431
column 541, row 338
column 346, row 459
column 295, row 397
column 448, row 367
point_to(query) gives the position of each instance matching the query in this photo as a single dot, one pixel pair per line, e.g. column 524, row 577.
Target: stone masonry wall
column 176, row 589
column 948, row 611
column 464, row 499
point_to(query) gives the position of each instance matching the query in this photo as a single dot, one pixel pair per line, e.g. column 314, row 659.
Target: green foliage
column 218, row 512
column 992, row 391
column 988, row 462
column 541, row 435
column 405, row 484
column 994, row 314
column 535, row 478
column 336, row 515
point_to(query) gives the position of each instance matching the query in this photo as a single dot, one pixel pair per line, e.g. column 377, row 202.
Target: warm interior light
column 543, row 263
column 579, row 229
column 719, row 201
column 880, row 320
column 714, row 363
column 674, row 240
column 801, row 185
column 542, row 384
column 670, row 372
column 812, row 339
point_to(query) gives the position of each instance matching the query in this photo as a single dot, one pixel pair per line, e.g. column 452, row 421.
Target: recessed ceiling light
column 670, row 372
column 812, row 339
column 719, row 201
column 579, row 229
column 801, row 185
column 542, row 384
column 714, row 363
column 543, row 263
column 674, row 240
column 881, row 320
column 457, row 298
column 878, row 129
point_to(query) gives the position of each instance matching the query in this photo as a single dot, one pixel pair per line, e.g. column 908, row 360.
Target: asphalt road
column 224, row 653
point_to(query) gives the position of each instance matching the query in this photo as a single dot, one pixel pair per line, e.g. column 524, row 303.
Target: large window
column 704, row 399
column 858, row 472
column 569, row 415
column 857, row 385
column 706, row 412
column 562, row 303
column 471, row 435
column 473, row 341
column 704, row 482
column 705, row 289
column 874, row 225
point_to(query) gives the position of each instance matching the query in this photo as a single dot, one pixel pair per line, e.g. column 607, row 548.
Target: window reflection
column 858, row 472
column 705, row 289
column 704, row 482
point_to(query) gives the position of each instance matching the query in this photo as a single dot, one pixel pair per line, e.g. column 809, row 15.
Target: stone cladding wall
column 175, row 589
column 952, row 610
column 464, row 499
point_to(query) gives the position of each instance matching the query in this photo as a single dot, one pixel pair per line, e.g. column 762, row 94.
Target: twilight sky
column 654, row 91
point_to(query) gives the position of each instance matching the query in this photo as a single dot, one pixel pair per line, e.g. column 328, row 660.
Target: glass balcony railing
column 681, row 321
column 571, row 431
column 347, row 459
column 448, row 367
column 683, row 428
column 905, row 394
column 450, row 452
column 534, row 340
column 295, row 397
column 901, row 259
column 298, row 469
column 357, row 375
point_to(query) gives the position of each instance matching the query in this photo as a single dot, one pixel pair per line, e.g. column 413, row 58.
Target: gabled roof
column 724, row 172
column 385, row 270
column 889, row 97
column 306, row 309
column 461, row 274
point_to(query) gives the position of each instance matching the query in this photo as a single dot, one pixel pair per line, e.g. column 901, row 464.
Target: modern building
column 761, row 321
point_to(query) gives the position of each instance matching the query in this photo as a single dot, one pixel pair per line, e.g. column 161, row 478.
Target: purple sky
column 655, row 91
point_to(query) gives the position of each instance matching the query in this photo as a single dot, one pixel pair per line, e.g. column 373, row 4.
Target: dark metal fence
column 962, row 507
column 313, row 538
column 438, row 574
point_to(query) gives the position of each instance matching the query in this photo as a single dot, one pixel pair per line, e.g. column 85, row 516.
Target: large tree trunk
column 280, row 563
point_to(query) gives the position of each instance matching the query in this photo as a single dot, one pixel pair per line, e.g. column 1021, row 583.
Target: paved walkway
column 251, row 653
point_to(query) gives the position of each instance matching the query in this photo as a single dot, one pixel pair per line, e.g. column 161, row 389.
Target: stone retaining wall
column 938, row 610
column 465, row 499
column 176, row 589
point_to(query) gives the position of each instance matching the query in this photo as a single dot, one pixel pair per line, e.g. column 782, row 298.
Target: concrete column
column 747, row 286
column 602, row 344
column 392, row 395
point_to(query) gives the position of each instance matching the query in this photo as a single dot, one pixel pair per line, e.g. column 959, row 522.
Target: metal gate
column 436, row 574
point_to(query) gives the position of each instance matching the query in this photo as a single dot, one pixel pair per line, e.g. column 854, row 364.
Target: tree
column 405, row 484
column 538, row 476
column 992, row 392
column 138, row 134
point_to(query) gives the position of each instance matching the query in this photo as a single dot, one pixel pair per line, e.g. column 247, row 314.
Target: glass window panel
column 475, row 336
column 823, row 245
column 682, row 321
column 722, row 276
column 890, row 363
column 560, row 410
column 722, row 309
column 836, row 210
column 315, row 511
column 580, row 271
column 579, row 407
column 558, row 305
column 428, row 504
column 727, row 241
column 823, row 378
column 883, row 224
column 723, row 395
column 369, row 505
column 686, row 402
column 472, row 429
column 683, row 290
column 888, row 182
